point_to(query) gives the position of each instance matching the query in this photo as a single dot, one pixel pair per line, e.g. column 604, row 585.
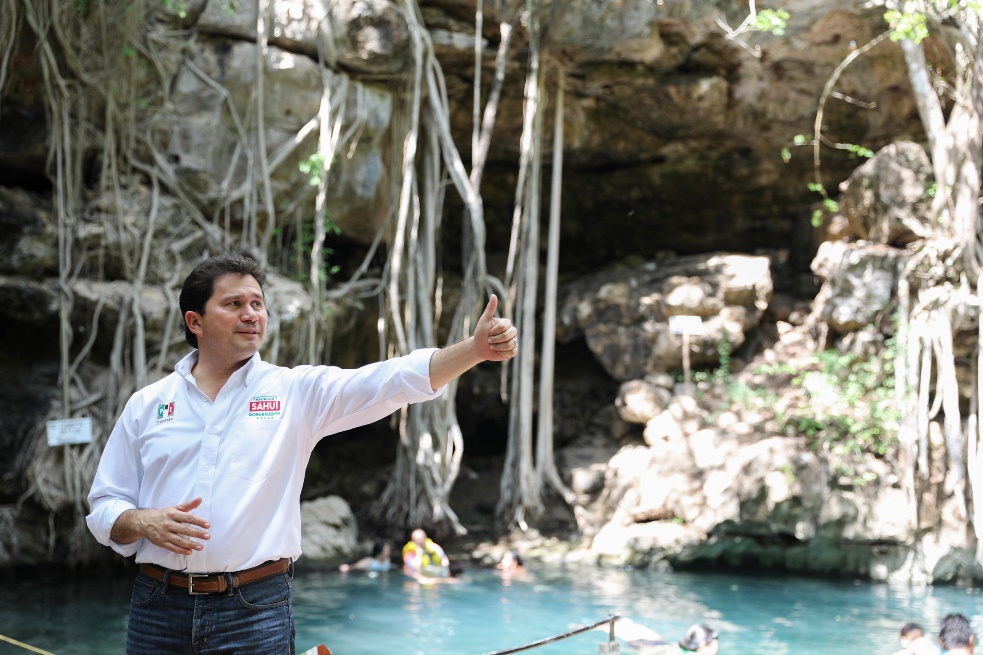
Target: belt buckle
column 191, row 584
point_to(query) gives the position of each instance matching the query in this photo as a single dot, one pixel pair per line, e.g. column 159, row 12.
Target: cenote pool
column 363, row 614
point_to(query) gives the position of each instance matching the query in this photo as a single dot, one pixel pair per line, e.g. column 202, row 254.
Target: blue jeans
column 254, row 619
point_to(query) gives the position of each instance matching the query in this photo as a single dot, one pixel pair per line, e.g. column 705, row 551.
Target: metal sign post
column 686, row 326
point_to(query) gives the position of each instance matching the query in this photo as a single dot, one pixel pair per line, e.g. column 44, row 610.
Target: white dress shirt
column 245, row 454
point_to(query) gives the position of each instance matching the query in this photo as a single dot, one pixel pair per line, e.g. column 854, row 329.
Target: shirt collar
column 248, row 370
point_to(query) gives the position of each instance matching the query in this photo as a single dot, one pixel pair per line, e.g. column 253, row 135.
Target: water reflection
column 360, row 614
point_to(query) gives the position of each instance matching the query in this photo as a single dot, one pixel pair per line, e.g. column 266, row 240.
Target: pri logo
column 264, row 407
column 165, row 412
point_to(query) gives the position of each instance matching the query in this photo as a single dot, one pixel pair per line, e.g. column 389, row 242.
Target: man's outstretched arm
column 494, row 340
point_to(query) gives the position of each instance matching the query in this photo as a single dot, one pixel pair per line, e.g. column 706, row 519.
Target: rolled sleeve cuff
column 421, row 382
column 101, row 521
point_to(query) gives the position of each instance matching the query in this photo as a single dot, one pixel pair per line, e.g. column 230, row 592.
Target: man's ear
column 193, row 321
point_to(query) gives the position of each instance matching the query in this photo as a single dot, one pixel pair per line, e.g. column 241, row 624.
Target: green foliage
column 177, row 6
column 751, row 397
column 858, row 151
column 773, row 369
column 830, row 206
column 771, row 20
column 843, row 404
column 850, row 407
column 907, row 25
column 313, row 167
column 722, row 372
column 724, row 350
column 798, row 140
column 295, row 244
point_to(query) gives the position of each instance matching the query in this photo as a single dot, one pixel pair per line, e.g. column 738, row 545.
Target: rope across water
column 24, row 646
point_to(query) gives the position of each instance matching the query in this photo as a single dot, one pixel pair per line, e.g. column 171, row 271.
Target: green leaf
column 771, row 20
column 907, row 25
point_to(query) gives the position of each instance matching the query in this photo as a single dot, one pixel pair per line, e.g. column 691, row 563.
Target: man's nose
column 250, row 314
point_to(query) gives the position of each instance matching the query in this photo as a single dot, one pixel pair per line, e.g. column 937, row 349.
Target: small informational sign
column 610, row 648
column 686, row 325
column 70, row 430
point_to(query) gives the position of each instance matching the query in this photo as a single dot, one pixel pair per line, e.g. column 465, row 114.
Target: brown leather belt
column 215, row 583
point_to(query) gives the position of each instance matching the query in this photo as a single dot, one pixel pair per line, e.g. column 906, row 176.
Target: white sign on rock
column 686, row 325
column 68, row 431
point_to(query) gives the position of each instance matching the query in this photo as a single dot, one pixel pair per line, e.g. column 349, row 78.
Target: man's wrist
column 126, row 529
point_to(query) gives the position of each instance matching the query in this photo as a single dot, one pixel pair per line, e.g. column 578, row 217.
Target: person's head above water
column 380, row 550
column 700, row 639
column 510, row 561
column 956, row 633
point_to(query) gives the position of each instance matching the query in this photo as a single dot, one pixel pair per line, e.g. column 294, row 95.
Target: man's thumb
column 490, row 308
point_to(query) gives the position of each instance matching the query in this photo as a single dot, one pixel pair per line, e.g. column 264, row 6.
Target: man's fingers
column 182, row 513
column 189, row 505
column 182, row 547
column 501, row 331
column 191, row 519
column 181, row 539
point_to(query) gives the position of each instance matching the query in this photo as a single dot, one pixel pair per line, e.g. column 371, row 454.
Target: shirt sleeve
column 116, row 487
column 347, row 398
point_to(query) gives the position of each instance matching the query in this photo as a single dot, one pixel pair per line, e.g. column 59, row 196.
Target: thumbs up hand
column 495, row 338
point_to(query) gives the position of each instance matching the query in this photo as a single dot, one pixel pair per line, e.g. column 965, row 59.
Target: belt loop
column 164, row 582
column 230, row 588
column 290, row 569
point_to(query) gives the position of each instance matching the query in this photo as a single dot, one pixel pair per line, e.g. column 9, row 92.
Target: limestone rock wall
column 673, row 180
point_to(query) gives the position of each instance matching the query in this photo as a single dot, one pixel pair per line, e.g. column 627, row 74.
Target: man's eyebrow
column 237, row 296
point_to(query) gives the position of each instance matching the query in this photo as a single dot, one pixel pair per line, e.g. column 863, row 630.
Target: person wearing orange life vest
column 422, row 556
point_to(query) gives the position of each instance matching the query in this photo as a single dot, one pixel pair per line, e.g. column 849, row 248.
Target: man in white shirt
column 202, row 474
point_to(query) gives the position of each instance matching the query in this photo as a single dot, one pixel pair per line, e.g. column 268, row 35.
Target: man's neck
column 211, row 377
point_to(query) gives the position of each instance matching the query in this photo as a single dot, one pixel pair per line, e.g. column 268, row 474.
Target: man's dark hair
column 910, row 627
column 200, row 284
column 955, row 632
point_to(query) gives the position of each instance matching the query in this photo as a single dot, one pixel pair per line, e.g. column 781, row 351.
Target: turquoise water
column 362, row 614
